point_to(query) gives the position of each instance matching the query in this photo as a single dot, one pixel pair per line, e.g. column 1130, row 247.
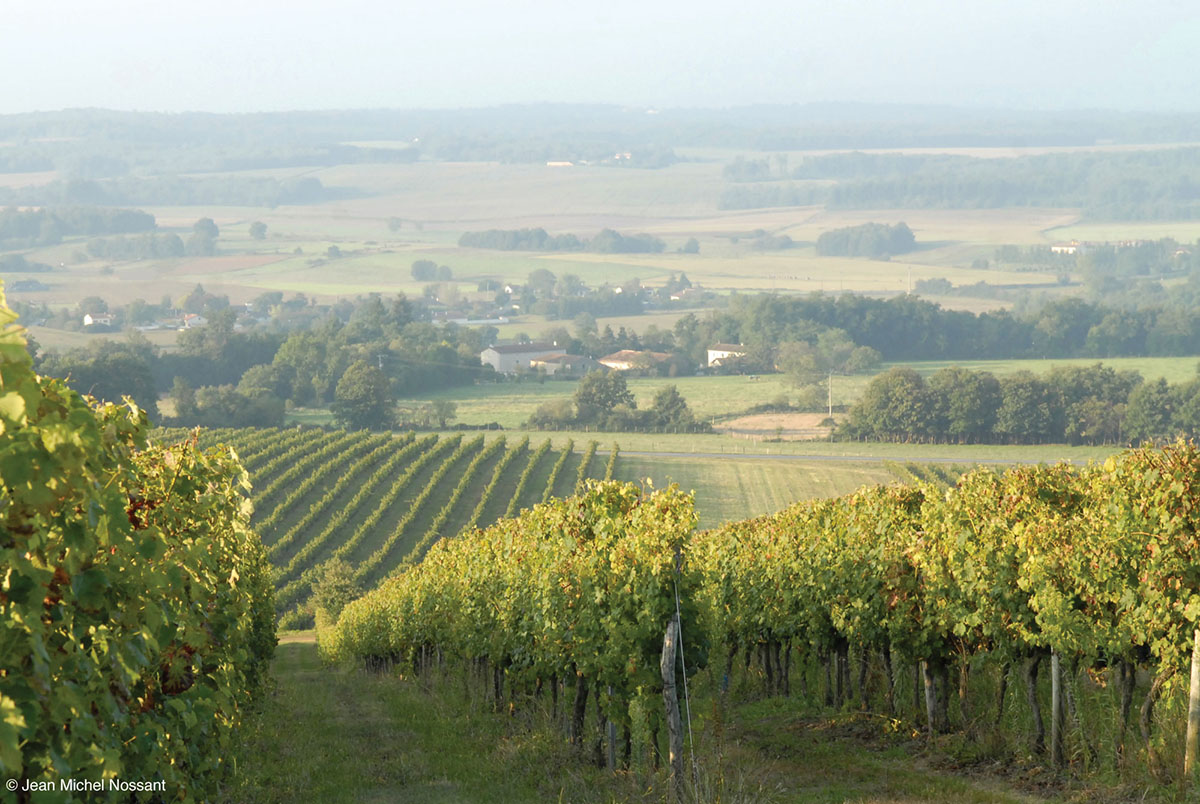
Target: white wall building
column 721, row 351
column 515, row 357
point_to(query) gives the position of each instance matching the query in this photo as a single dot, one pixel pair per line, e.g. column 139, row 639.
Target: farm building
column 564, row 365
column 722, row 351
column 511, row 358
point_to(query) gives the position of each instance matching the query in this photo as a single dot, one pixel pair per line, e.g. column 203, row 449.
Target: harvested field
column 783, row 426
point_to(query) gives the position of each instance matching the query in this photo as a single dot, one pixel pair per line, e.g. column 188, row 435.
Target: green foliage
column 363, row 398
column 136, row 607
column 557, row 470
column 424, row 270
column 334, row 589
column 109, row 371
column 607, row 241
column 582, row 473
column 520, row 240
column 875, row 240
column 428, row 449
column 1075, row 404
column 611, row 466
column 1137, row 185
column 443, row 410
column 583, row 586
column 599, row 392
column 342, row 514
column 344, row 467
column 296, row 463
column 146, row 247
column 25, row 228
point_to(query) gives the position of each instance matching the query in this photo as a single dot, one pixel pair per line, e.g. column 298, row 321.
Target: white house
column 722, row 351
column 102, row 319
column 515, row 357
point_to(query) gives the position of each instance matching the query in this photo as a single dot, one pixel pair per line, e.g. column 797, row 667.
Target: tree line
column 1132, row 185
column 875, row 240
column 222, row 375
column 170, row 190
column 911, row 328
column 28, row 228
column 603, row 401
column 1075, row 405
column 608, row 241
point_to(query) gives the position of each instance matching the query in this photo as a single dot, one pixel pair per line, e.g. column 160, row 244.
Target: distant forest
column 608, row 241
column 1137, row 185
column 127, row 158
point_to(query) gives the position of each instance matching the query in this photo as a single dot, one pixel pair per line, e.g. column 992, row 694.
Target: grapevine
column 557, row 469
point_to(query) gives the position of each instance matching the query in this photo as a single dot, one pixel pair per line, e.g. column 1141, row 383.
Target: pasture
column 510, row 404
column 731, row 489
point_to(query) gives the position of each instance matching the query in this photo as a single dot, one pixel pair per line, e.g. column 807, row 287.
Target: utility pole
column 831, row 394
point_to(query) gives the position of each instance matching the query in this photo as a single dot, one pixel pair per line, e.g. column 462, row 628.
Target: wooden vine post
column 612, row 737
column 928, row 683
column 1056, row 711
column 1193, row 720
column 671, row 701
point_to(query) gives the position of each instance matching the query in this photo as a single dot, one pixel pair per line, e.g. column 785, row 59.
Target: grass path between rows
column 337, row 735
column 333, row 735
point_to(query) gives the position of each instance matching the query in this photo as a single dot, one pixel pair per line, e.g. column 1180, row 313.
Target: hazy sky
column 221, row 55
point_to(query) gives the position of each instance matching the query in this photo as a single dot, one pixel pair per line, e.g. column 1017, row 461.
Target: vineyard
column 1055, row 610
column 136, row 613
column 379, row 501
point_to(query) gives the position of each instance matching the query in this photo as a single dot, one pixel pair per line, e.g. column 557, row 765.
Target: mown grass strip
column 534, row 459
column 497, row 475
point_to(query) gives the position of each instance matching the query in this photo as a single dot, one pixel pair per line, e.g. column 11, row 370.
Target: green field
column 510, row 404
column 730, row 489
